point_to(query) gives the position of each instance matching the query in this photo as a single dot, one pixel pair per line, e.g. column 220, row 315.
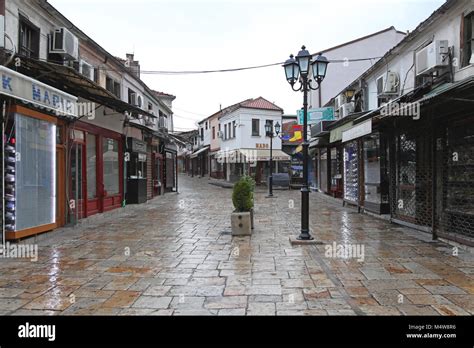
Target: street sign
column 317, row 115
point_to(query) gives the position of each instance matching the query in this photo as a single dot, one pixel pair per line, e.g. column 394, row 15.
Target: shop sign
column 262, row 146
column 357, row 131
column 316, row 115
column 336, row 134
column 29, row 90
column 137, row 145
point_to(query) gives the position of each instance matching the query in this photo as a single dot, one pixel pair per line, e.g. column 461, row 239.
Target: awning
column 41, row 95
column 264, row 155
column 200, row 151
column 446, row 88
column 251, row 156
column 336, row 134
column 318, row 141
column 67, row 79
column 357, row 131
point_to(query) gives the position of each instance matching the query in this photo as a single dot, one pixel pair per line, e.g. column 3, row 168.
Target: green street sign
column 316, row 115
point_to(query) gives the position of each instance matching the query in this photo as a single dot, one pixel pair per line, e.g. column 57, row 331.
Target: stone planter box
column 241, row 224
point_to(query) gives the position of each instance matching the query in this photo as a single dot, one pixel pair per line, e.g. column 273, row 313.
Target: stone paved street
column 175, row 256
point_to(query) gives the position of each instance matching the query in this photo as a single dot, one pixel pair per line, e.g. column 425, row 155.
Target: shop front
column 170, row 168
column 156, row 168
column 137, row 171
column 455, row 180
column 365, row 176
column 33, row 179
column 96, row 168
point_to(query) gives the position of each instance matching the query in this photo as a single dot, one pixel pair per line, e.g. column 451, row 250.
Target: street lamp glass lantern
column 277, row 128
column 268, row 128
column 292, row 70
column 320, row 65
column 303, row 58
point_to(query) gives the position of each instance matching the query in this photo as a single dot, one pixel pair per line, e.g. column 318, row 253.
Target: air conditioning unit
column 388, row 84
column 87, row 70
column 339, row 101
column 432, row 57
column 220, row 134
column 64, row 43
column 346, row 109
column 138, row 101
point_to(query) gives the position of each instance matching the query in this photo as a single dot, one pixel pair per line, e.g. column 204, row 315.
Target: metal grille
column 411, row 178
column 455, row 184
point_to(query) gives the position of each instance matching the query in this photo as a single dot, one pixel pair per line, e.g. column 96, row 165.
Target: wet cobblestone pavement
column 175, row 256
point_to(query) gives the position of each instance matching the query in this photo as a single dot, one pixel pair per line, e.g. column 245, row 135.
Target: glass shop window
column 137, row 166
column 35, row 172
column 351, row 172
column 91, row 155
column 373, row 180
column 110, row 157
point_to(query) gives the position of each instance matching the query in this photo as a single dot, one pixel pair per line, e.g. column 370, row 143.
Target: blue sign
column 316, row 115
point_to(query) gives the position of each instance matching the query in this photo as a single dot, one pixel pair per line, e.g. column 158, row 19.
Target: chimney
column 132, row 64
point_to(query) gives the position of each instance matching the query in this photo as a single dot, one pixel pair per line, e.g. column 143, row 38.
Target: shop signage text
column 24, row 88
column 357, row 131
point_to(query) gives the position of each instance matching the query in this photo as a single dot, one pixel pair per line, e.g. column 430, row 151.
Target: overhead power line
column 193, row 72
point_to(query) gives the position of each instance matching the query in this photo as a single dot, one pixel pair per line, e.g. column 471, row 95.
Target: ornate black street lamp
column 299, row 69
column 271, row 135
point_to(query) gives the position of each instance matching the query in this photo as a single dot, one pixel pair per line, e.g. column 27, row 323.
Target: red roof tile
column 260, row 103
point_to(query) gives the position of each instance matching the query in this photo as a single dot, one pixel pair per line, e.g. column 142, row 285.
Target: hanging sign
column 19, row 86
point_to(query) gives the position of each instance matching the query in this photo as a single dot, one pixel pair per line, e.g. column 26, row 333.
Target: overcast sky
column 220, row 34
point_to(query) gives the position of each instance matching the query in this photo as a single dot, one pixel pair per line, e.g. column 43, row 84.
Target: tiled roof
column 163, row 94
column 260, row 103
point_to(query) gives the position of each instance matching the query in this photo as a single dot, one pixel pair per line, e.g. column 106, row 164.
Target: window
column 213, row 132
column 163, row 121
column 132, row 97
column 255, row 127
column 35, row 172
column 150, row 106
column 225, row 132
column 468, row 40
column 91, row 166
column 110, row 156
column 29, row 38
column 233, row 128
column 112, row 86
column 206, row 125
column 202, row 134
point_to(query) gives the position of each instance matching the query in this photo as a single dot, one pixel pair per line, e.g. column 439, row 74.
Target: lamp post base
column 295, row 241
column 304, row 235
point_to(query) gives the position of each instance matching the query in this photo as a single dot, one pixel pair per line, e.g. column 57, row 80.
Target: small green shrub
column 251, row 181
column 242, row 195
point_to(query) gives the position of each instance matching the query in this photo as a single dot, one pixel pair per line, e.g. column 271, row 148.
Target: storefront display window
column 110, row 156
column 91, row 166
column 35, row 172
column 373, row 193
column 137, row 166
column 351, row 172
column 323, row 167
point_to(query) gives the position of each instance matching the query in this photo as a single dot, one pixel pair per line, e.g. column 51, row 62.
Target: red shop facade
column 95, row 170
